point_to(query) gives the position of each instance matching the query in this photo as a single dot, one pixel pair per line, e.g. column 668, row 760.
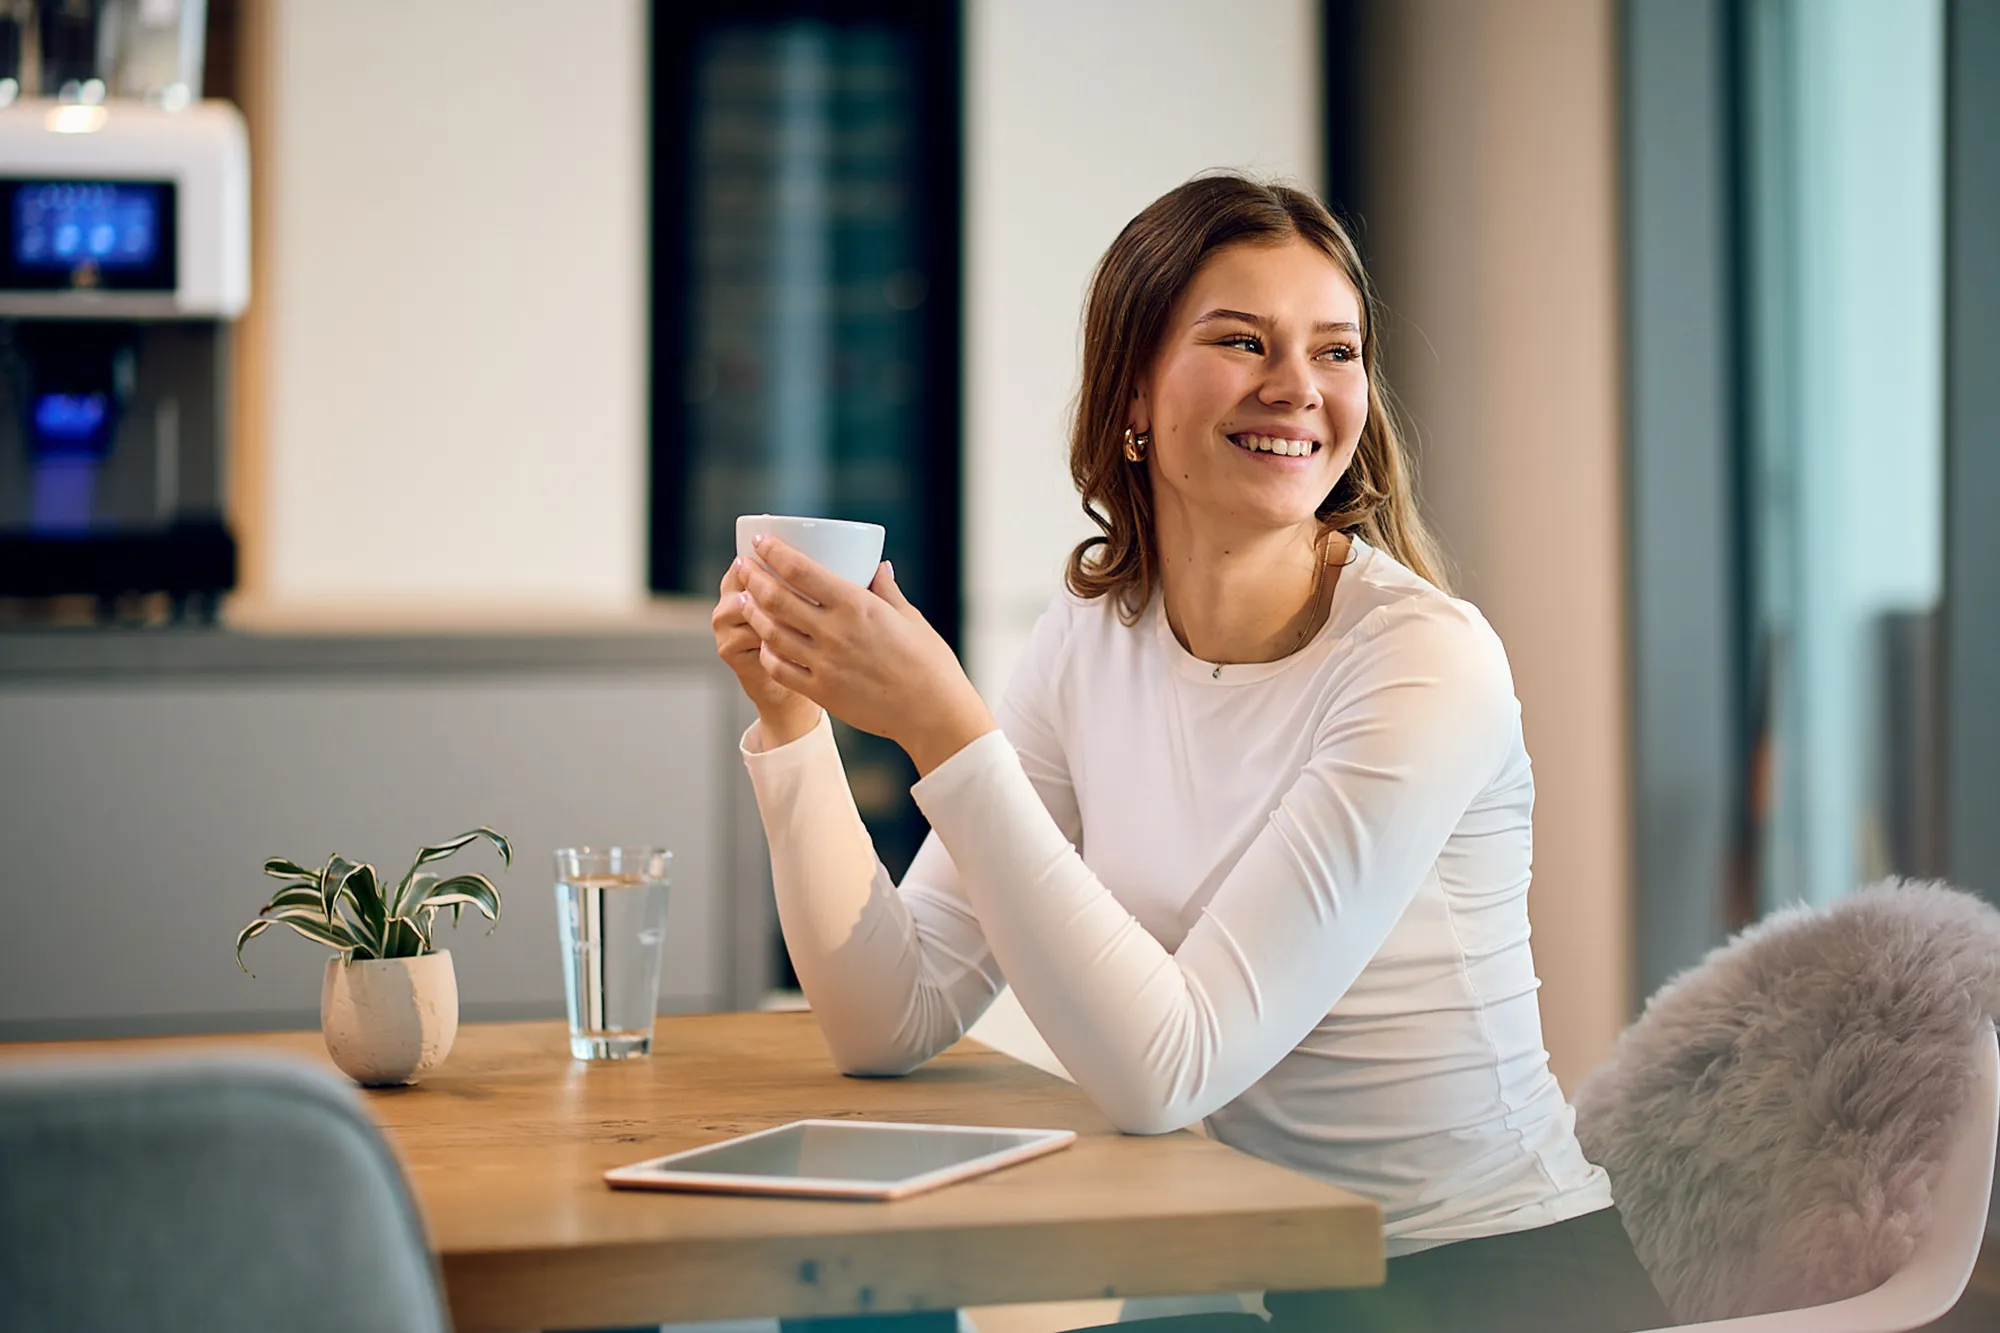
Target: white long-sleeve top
column 1289, row 898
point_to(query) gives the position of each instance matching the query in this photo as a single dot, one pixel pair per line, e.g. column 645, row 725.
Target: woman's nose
column 1289, row 382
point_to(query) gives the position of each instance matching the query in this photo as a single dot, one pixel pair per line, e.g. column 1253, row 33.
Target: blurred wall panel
column 457, row 281
column 1078, row 116
column 158, row 790
column 805, row 316
column 1493, row 225
column 1971, row 630
column 1694, row 872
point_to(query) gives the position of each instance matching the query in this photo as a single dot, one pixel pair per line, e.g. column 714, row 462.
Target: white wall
column 457, row 399
column 457, row 270
column 1077, row 116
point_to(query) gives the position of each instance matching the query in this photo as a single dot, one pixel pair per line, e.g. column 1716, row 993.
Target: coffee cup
column 851, row 550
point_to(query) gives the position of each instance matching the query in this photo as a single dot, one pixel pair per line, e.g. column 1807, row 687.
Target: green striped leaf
column 359, row 885
column 446, row 848
column 416, row 887
column 405, row 939
column 331, row 876
column 244, row 936
column 334, row 937
column 277, row 868
column 401, row 903
column 359, row 888
column 305, row 920
column 294, row 895
column 366, row 942
column 470, row 889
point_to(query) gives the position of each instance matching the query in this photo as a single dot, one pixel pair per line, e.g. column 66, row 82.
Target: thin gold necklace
column 1314, row 613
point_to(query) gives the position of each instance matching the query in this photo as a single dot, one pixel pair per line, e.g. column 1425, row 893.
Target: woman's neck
column 1248, row 599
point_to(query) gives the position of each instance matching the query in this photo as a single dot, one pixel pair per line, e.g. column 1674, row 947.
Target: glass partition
column 1841, row 144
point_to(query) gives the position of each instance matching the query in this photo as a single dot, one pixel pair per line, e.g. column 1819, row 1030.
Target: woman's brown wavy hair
column 1132, row 296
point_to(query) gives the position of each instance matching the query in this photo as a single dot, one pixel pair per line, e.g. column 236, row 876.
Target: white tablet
column 842, row 1159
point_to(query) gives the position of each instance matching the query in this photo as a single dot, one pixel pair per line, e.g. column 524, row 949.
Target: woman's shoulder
column 1054, row 637
column 1070, row 630
column 1069, row 616
column 1079, row 639
column 1392, row 610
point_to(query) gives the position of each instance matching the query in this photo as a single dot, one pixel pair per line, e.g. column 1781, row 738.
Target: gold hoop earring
column 1136, row 444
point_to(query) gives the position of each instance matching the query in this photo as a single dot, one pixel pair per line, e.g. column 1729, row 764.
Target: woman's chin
column 1256, row 517
column 1259, row 499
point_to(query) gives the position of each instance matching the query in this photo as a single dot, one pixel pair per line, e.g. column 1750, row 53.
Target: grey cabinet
column 144, row 777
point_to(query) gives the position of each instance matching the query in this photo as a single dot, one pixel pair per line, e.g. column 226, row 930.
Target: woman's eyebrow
column 1324, row 326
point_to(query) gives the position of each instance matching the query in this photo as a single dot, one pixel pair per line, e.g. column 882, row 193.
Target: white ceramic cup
column 851, row 550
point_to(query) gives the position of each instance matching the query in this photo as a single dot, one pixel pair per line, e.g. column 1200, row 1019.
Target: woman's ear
column 1139, row 413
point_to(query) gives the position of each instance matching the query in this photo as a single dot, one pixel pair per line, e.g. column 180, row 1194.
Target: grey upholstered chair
column 212, row 1195
column 1800, row 1130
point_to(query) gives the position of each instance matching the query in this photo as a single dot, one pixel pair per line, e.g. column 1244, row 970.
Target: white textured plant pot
column 389, row 1020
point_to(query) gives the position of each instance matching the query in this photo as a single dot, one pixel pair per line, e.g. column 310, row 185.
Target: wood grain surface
column 505, row 1145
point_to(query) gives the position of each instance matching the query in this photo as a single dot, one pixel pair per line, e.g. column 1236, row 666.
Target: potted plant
column 388, row 1003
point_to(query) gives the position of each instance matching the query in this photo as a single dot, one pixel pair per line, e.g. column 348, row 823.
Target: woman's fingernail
column 743, row 600
column 890, row 565
column 760, row 541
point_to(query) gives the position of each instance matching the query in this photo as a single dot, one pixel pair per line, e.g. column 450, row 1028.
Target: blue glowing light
column 70, row 418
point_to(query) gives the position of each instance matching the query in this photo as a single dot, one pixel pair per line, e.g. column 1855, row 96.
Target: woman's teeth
column 1272, row 444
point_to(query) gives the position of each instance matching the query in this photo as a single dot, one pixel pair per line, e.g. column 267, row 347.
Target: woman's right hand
column 783, row 715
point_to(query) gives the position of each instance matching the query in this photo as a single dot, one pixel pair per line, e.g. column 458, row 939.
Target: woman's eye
column 1248, row 342
column 1342, row 352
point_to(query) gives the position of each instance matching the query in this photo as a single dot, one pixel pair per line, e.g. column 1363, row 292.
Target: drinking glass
column 611, row 906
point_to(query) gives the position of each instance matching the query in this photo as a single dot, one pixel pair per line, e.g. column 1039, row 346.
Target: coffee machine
column 124, row 260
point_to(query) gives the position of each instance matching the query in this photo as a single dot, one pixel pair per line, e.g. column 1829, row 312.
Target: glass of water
column 611, row 909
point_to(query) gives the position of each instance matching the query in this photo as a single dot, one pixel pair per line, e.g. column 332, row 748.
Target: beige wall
column 1492, row 224
column 435, row 225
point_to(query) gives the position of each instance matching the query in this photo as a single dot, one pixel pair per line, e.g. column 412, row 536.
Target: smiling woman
column 1249, row 306
column 1250, row 837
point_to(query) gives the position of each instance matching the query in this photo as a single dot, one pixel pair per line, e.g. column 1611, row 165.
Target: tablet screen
column 819, row 1151
column 866, row 1158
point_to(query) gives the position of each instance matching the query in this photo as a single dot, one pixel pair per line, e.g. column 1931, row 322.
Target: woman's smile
column 1278, row 450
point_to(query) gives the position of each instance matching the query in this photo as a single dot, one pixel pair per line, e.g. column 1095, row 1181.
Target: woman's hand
column 865, row 655
column 782, row 715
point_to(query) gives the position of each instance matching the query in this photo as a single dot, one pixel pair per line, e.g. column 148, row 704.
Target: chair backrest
column 225, row 1196
column 1778, row 1122
column 1927, row 1287
column 1936, row 1275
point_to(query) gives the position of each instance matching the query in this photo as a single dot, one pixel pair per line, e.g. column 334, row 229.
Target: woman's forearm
column 859, row 954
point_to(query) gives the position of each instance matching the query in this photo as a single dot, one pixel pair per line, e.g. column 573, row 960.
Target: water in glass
column 613, row 923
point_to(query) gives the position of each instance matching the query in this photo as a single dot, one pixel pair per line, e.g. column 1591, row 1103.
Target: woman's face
column 1257, row 397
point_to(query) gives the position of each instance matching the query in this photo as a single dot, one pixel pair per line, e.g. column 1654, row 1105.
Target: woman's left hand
column 864, row 654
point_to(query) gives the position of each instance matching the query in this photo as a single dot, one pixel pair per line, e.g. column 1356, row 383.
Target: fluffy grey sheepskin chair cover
column 1774, row 1122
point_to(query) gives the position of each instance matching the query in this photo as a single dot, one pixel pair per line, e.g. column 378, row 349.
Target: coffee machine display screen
column 65, row 235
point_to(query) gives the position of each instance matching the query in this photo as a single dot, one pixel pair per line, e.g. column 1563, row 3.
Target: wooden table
column 504, row 1146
